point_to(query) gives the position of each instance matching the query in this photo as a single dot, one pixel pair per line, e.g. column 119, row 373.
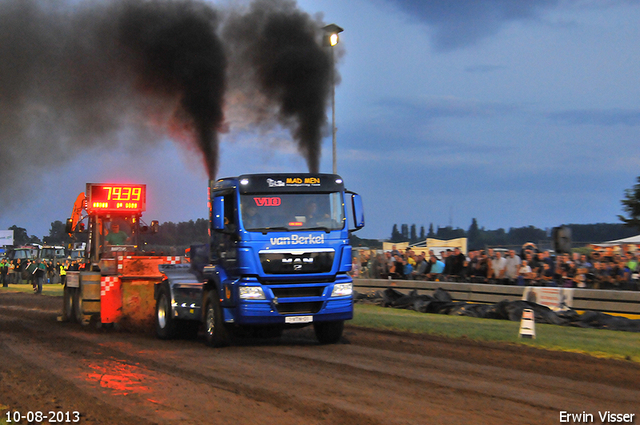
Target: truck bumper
column 264, row 313
column 285, row 310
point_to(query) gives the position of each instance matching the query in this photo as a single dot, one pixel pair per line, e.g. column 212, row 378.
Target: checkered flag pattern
column 107, row 283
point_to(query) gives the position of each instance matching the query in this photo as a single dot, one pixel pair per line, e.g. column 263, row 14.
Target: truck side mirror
column 217, row 213
column 358, row 211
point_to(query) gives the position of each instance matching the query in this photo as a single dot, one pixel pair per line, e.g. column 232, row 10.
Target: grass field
column 596, row 342
column 47, row 289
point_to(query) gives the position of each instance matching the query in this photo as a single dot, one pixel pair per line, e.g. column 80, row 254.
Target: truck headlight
column 342, row 289
column 251, row 293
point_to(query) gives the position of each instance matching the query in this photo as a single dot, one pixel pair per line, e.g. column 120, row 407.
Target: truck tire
column 68, row 305
column 77, row 305
column 165, row 323
column 216, row 332
column 329, row 332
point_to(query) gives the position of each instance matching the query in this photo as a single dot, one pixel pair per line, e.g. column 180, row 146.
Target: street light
column 331, row 39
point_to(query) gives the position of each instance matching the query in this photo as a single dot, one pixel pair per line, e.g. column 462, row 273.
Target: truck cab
column 52, row 253
column 278, row 257
column 23, row 253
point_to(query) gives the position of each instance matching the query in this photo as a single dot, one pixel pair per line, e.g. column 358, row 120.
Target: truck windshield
column 52, row 252
column 289, row 211
column 22, row 254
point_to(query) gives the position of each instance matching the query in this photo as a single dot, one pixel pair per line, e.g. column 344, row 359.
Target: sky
column 514, row 113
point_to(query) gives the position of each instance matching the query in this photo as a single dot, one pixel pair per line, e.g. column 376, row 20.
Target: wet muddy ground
column 371, row 377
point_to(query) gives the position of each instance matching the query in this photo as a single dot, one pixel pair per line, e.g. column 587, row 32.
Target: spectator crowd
column 528, row 267
column 36, row 272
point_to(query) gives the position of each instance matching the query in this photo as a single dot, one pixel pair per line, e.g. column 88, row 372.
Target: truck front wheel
column 165, row 323
column 216, row 331
column 328, row 332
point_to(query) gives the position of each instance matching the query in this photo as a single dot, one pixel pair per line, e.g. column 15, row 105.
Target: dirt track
column 370, row 378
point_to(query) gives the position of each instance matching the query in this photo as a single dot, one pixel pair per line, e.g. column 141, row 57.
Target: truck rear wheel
column 77, row 305
column 68, row 305
column 216, row 331
column 328, row 332
column 165, row 323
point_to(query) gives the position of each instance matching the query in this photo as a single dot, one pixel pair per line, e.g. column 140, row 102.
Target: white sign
column 6, row 237
column 528, row 324
column 556, row 299
column 73, row 279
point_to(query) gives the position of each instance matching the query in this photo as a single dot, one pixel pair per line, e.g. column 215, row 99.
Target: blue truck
column 278, row 258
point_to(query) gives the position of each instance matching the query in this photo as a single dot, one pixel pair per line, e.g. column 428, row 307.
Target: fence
column 625, row 303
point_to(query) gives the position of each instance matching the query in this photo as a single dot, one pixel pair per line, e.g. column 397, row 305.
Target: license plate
column 298, row 319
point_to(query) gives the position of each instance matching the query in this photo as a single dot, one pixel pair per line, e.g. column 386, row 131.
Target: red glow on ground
column 122, row 378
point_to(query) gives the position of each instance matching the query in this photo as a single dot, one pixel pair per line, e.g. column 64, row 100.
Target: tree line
column 183, row 234
column 479, row 237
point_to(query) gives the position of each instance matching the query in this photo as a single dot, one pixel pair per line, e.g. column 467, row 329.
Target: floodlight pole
column 333, row 114
column 331, row 39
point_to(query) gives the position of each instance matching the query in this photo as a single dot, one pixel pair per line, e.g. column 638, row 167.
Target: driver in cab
column 116, row 236
column 313, row 217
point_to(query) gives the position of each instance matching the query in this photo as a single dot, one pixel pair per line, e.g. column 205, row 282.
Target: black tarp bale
column 369, row 296
column 442, row 295
column 405, row 301
column 442, row 303
column 542, row 313
column 390, row 295
column 595, row 319
column 483, row 311
column 421, row 303
column 443, row 307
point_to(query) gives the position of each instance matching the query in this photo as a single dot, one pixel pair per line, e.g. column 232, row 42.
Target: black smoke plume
column 78, row 76
column 174, row 50
column 276, row 50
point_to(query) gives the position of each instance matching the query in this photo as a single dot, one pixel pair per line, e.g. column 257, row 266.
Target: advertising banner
column 6, row 237
column 555, row 298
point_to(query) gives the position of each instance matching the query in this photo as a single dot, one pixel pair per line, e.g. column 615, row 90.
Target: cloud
column 462, row 23
column 606, row 117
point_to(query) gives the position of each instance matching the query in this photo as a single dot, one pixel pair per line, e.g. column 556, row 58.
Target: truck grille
column 305, row 291
column 294, row 280
column 297, row 261
column 309, row 307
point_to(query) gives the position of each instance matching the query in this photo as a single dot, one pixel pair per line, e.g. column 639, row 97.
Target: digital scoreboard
column 116, row 198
